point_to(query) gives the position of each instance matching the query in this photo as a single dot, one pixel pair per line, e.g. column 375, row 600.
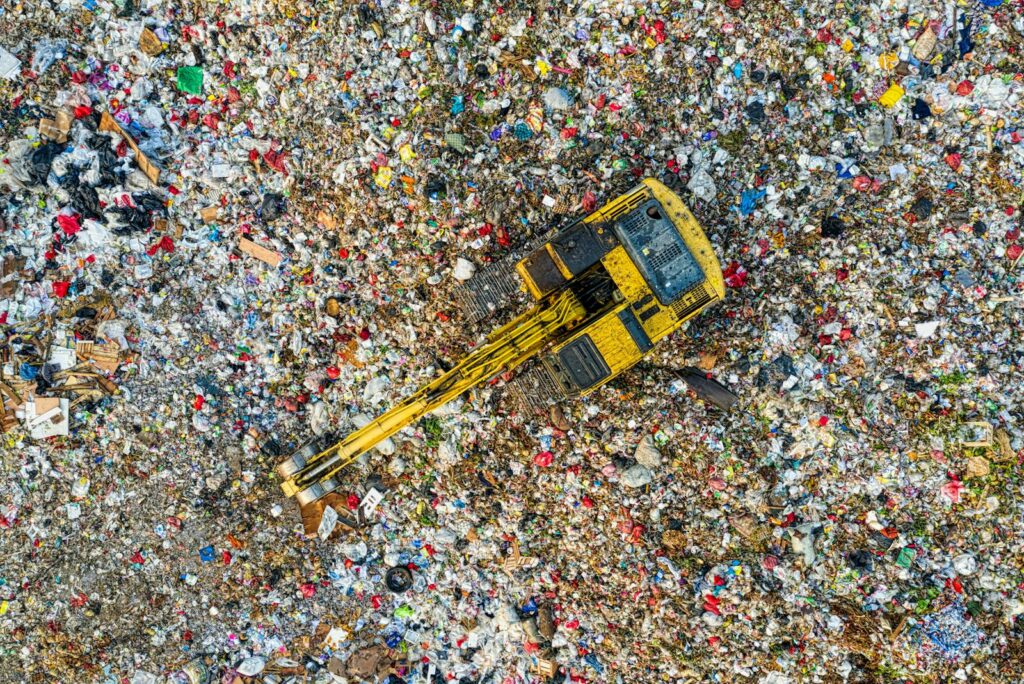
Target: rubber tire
column 398, row 579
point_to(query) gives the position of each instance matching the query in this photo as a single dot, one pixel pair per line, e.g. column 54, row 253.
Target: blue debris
column 749, row 199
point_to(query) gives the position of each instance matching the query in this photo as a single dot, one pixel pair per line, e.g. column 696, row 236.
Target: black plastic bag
column 755, row 111
column 435, row 188
column 922, row 208
column 69, row 180
column 150, row 202
column 110, row 171
column 138, row 220
column 273, row 207
column 832, row 227
column 41, row 160
column 86, row 201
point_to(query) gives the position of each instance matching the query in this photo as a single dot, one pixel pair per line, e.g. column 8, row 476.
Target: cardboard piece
column 336, row 667
column 9, row 269
column 57, row 128
column 108, row 123
column 46, row 404
column 47, row 417
column 369, row 661
column 326, row 220
column 209, row 214
column 149, row 43
column 161, row 225
column 515, row 560
column 265, row 255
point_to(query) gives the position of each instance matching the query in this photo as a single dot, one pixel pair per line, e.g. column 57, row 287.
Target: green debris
column 906, row 557
column 190, row 80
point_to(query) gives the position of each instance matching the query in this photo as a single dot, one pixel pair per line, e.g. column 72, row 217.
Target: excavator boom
column 311, row 479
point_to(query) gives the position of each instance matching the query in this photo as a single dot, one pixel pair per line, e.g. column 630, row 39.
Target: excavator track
column 495, row 288
column 533, row 390
column 487, row 293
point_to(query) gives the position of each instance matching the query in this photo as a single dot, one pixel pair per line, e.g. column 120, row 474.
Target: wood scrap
column 109, row 124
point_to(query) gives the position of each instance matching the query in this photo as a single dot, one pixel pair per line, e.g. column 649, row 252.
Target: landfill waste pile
column 229, row 227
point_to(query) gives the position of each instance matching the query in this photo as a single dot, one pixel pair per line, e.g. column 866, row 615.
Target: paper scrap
column 262, row 253
column 10, row 66
column 370, row 502
column 63, row 357
column 108, row 123
column 336, row 637
column 926, row 330
column 327, row 523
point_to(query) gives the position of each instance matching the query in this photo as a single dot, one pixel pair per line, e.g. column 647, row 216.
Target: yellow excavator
column 604, row 291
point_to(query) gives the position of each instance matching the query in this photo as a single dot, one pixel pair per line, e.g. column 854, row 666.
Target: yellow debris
column 891, row 96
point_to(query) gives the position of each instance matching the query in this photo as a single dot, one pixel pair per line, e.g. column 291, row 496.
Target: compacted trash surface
column 229, row 226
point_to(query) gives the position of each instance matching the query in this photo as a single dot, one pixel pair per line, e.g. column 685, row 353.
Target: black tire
column 398, row 579
column 708, row 389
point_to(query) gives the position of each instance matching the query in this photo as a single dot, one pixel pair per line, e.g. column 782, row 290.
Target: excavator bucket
column 312, row 513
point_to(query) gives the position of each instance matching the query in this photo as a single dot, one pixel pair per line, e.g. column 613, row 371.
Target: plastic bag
column 41, row 160
column 273, row 207
column 86, row 201
column 150, row 202
column 137, row 220
column 47, row 52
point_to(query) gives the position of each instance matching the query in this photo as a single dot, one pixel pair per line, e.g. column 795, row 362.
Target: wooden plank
column 262, row 253
column 108, row 123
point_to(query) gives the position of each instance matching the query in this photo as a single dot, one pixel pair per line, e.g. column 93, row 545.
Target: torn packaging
column 47, row 417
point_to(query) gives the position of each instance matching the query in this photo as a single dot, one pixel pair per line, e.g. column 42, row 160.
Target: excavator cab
column 642, row 267
column 604, row 291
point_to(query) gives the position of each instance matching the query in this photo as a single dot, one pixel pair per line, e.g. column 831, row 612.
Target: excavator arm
column 311, row 474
